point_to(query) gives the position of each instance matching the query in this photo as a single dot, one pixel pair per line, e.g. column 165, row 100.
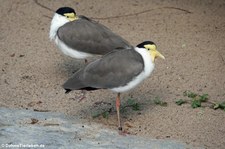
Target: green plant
column 158, row 101
column 196, row 100
column 134, row 105
column 104, row 113
column 195, row 103
column 189, row 94
column 219, row 106
column 180, row 102
column 131, row 103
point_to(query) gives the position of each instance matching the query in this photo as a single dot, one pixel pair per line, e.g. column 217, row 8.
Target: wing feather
column 89, row 36
column 112, row 70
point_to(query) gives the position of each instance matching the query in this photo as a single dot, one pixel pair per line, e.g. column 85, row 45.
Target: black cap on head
column 141, row 45
column 64, row 10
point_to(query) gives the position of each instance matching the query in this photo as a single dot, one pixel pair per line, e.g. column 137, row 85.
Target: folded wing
column 113, row 70
column 89, row 36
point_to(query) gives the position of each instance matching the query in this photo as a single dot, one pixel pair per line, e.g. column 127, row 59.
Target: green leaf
column 195, row 103
column 204, row 98
column 96, row 114
column 180, row 102
column 216, row 106
column 157, row 101
column 130, row 102
column 190, row 94
column 133, row 104
column 136, row 107
column 222, row 105
column 105, row 114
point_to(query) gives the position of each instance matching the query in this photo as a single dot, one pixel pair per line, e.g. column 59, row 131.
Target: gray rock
column 56, row 130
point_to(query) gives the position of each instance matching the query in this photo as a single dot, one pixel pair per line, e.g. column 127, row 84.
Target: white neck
column 148, row 64
column 57, row 22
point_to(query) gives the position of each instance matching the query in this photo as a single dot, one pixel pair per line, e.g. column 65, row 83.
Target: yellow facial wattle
column 71, row 16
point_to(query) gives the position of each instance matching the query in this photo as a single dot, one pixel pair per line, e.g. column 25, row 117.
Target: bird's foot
column 122, row 132
column 85, row 61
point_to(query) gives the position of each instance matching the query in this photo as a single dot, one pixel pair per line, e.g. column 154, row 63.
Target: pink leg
column 118, row 111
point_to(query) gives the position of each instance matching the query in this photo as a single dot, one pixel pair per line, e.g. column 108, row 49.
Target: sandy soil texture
column 190, row 34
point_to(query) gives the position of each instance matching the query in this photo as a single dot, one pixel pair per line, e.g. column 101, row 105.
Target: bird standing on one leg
column 118, row 71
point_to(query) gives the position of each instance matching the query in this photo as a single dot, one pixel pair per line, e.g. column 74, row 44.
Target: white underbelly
column 71, row 52
column 132, row 84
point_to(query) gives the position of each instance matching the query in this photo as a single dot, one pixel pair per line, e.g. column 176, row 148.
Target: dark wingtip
column 67, row 91
column 89, row 88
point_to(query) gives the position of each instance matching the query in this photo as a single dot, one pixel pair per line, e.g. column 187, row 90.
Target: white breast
column 57, row 22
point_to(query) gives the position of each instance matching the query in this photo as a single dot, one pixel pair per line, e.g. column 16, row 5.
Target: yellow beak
column 155, row 54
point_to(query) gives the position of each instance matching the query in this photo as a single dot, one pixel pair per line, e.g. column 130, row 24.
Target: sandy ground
column 190, row 34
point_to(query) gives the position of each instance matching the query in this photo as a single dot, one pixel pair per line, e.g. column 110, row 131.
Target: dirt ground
column 190, row 34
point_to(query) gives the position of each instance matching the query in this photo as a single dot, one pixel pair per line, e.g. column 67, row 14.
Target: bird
column 81, row 37
column 118, row 71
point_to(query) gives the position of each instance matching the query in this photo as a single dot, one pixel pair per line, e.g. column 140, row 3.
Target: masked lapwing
column 119, row 71
column 80, row 37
